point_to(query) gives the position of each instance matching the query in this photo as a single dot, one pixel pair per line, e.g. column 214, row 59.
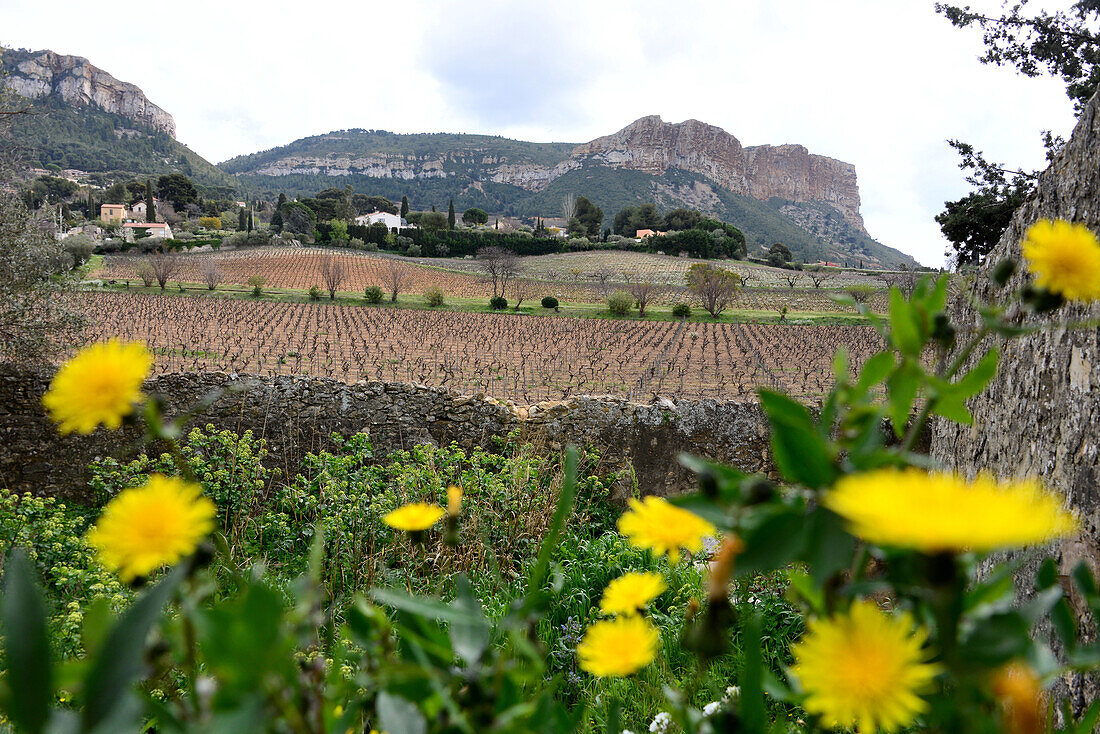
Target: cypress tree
column 242, row 220
column 404, row 206
column 250, row 220
column 150, row 207
column 451, row 215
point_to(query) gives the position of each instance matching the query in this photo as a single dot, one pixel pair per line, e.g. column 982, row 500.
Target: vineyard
column 520, row 358
column 586, row 277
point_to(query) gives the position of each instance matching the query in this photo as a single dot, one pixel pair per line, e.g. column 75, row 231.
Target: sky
column 881, row 84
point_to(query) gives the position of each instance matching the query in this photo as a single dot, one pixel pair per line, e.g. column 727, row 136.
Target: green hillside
column 763, row 222
column 99, row 142
column 465, row 151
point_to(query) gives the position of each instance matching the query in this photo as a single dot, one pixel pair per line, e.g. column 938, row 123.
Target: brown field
column 568, row 276
column 517, row 357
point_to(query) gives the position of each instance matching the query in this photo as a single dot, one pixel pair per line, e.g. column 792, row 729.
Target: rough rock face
column 298, row 414
column 786, row 171
column 1041, row 414
column 76, row 82
column 649, row 145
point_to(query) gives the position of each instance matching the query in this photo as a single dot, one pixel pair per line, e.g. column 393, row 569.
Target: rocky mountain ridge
column 648, row 145
column 76, row 82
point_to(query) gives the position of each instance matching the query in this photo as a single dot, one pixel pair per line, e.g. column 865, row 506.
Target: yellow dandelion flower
column 936, row 512
column 864, row 669
column 413, row 518
column 454, row 501
column 657, row 524
column 618, row 647
column 631, row 592
column 145, row 528
column 1064, row 258
column 98, row 386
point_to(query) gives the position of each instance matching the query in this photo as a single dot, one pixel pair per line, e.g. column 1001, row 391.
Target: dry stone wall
column 297, row 415
column 1041, row 414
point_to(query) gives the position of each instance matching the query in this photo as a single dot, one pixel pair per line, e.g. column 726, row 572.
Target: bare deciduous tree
column 793, row 278
column 568, row 206
column 211, row 273
column 602, row 276
column 500, row 265
column 164, row 265
column 522, row 290
column 332, row 273
column 905, row 280
column 644, row 293
column 397, row 277
column 819, row 276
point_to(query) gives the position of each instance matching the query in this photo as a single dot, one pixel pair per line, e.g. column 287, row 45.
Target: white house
column 156, row 230
column 138, row 210
column 392, row 221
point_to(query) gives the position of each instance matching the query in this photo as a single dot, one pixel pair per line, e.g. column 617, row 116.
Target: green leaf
column 753, row 712
column 776, row 541
column 426, row 607
column 976, row 379
column 397, row 715
column 937, row 299
column 953, row 408
column 27, row 668
column 468, row 639
column 800, row 453
column 902, row 390
column 874, row 371
column 119, row 661
column 829, row 547
column 904, row 329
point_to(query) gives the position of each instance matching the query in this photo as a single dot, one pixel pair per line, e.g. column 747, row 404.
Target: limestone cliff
column 77, row 83
column 648, row 145
column 786, row 171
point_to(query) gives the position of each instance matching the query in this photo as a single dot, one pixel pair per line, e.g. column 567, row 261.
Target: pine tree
column 451, row 215
column 404, row 206
column 150, row 207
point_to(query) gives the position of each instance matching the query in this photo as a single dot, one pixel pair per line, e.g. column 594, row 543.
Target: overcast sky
column 878, row 83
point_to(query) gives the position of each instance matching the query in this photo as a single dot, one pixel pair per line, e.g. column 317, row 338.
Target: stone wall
column 297, row 414
column 1041, row 414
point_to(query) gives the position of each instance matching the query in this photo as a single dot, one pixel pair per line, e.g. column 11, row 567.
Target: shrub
column 210, row 222
column 356, row 243
column 619, row 303
column 550, row 302
column 681, row 310
column 372, row 294
column 413, row 251
column 370, row 247
column 498, row 303
column 433, row 297
column 314, row 293
column 257, row 282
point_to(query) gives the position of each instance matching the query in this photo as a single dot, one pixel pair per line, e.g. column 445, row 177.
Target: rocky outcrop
column 786, row 171
column 1040, row 416
column 649, row 145
column 298, row 415
column 76, row 82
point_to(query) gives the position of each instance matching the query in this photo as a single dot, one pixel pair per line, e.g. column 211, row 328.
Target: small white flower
column 660, row 723
column 733, row 692
column 627, row 731
column 711, row 708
